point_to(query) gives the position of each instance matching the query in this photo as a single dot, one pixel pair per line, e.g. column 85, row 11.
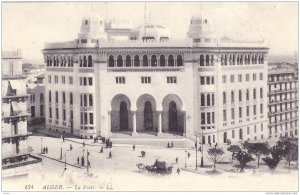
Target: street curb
column 61, row 161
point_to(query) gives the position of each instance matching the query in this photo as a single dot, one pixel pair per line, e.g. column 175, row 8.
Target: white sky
column 28, row 25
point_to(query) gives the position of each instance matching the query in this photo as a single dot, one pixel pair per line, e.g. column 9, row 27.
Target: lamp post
column 196, row 152
column 202, row 164
column 41, row 145
column 185, row 159
column 66, row 160
column 61, row 152
column 87, row 161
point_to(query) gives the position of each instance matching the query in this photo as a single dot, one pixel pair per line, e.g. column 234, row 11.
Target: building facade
column 36, row 101
column 16, row 160
column 201, row 86
column 283, row 100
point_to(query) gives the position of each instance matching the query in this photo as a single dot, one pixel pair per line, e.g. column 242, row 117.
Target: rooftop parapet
column 12, row 54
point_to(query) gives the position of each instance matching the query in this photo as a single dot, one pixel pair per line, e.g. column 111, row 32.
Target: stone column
column 159, row 123
column 134, row 122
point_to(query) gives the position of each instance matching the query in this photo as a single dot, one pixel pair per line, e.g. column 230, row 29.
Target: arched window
column 179, row 60
column 247, row 94
column 224, row 97
column 207, row 60
column 111, row 61
column 208, row 99
column 119, row 61
column 72, row 62
column 47, row 61
column 84, row 61
column 212, row 60
column 69, row 61
column 162, row 60
column 80, row 61
column 153, row 60
column 136, row 60
column 262, row 59
column 71, row 98
column 240, row 95
column 171, row 60
column 230, row 60
column 202, row 100
column 201, row 60
column 128, row 61
column 237, row 60
column 90, row 61
column 233, row 59
column 57, row 61
column 145, row 60
column 241, row 60
column 232, row 96
column 63, row 97
column 212, row 99
column 61, row 61
column 222, row 60
column 91, row 100
column 54, row 60
column 225, row 60
column 241, row 134
column 84, row 100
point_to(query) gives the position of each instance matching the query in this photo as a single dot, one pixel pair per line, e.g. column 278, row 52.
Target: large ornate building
column 16, row 158
column 151, row 83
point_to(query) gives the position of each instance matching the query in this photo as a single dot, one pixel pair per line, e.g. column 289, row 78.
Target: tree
column 289, row 149
column 243, row 157
column 234, row 149
column 215, row 155
column 257, row 149
column 273, row 161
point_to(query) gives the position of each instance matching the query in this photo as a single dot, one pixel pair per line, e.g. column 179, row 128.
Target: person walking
column 82, row 161
column 101, row 150
column 78, row 160
column 168, row 145
column 89, row 164
column 133, row 147
column 172, row 145
column 178, row 171
column 71, row 147
column 189, row 154
column 110, row 155
column 176, row 160
column 46, row 150
column 216, row 145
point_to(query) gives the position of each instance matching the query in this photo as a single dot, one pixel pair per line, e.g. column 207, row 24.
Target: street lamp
column 66, row 160
column 61, row 151
column 196, row 151
column 185, row 159
column 202, row 149
column 41, row 145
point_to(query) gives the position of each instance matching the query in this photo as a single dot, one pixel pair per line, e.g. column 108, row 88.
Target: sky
column 29, row 25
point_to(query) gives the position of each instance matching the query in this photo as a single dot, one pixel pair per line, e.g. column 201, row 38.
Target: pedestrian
column 101, row 150
column 46, row 150
column 216, row 145
column 133, row 147
column 209, row 144
column 71, row 147
column 78, row 160
column 172, row 144
column 83, row 144
column 89, row 164
column 178, row 171
column 110, row 155
column 82, row 161
column 176, row 160
column 189, row 154
column 200, row 149
column 168, row 145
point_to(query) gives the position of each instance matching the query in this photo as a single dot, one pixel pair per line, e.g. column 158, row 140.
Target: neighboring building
column 36, row 99
column 283, row 100
column 16, row 160
column 153, row 84
column 32, row 69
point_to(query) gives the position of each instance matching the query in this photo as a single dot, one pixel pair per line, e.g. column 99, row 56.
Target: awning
column 19, row 86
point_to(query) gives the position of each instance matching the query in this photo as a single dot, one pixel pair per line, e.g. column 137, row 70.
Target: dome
column 150, row 31
column 92, row 27
column 201, row 27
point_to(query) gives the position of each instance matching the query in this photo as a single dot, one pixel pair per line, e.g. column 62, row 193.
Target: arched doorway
column 148, row 116
column 173, row 116
column 123, row 116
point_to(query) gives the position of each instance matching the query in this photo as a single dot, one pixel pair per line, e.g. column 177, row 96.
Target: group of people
column 170, row 145
column 83, row 162
column 45, row 150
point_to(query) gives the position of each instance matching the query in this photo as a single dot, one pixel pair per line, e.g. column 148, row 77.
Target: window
column 49, row 96
column 247, row 77
column 71, row 114
column 56, row 79
column 224, row 79
column 247, row 111
column 232, row 96
column 84, row 81
column 240, row 95
column 261, row 92
column 32, row 111
column 111, row 61
column 85, row 118
column 56, row 113
column 232, row 78
column 224, row 97
column 90, row 81
column 63, row 97
column 212, row 80
column 202, row 80
column 56, row 97
column 261, row 108
column 232, row 113
column 91, row 100
column 50, row 112
column 49, row 78
column 248, row 130
column 212, row 99
column 254, row 109
column 240, row 112
column 146, row 79
column 201, row 60
column 41, row 97
column 208, row 118
column 202, row 118
column 171, row 79
column 254, row 93
column 261, row 76
column 145, row 60
column 213, row 117
column 63, row 80
column 202, row 100
column 71, row 98
column 233, row 133
column 90, row 61
column 71, row 80
column 208, row 80
column 208, row 99
column 224, row 115
column 91, row 119
column 247, row 94
column 179, row 60
column 254, row 77
column 171, row 60
column 64, row 114
column 120, row 80
column 240, row 78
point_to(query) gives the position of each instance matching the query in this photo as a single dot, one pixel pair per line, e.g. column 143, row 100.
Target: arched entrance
column 173, row 117
column 146, row 115
column 121, row 116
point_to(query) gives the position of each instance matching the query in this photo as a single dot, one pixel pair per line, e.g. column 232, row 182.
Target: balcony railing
column 283, row 91
column 283, row 101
